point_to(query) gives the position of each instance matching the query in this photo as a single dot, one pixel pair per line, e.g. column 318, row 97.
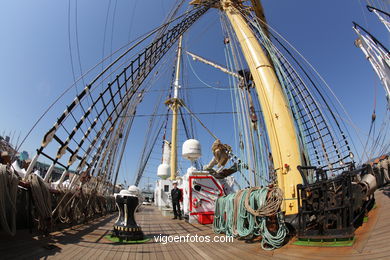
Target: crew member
column 176, row 195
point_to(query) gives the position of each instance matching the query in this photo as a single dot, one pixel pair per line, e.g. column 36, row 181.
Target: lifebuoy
column 196, row 203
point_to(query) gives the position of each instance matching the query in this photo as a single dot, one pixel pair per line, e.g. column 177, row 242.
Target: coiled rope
column 268, row 205
column 8, row 190
column 42, row 201
column 246, row 212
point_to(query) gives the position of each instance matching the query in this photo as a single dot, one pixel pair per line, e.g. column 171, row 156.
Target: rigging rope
column 136, row 42
column 253, row 145
column 381, row 18
column 151, row 137
column 197, row 76
column 321, row 82
column 336, row 150
column 200, row 122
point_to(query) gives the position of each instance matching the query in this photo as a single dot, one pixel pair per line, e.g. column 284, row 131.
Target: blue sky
column 35, row 61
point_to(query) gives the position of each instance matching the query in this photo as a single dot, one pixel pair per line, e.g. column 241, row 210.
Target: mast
column 175, row 105
column 284, row 143
column 278, row 118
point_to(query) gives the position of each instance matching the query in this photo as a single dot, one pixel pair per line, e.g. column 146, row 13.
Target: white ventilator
column 163, row 170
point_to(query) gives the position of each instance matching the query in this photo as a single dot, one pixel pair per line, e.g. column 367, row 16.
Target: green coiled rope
column 244, row 214
column 245, row 220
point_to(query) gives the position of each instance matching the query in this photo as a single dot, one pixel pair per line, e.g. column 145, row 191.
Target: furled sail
column 376, row 53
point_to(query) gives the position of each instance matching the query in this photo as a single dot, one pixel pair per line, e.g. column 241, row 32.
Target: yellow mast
column 175, row 105
column 284, row 143
column 278, row 118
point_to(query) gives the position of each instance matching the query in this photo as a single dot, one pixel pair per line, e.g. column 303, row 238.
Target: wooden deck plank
column 88, row 242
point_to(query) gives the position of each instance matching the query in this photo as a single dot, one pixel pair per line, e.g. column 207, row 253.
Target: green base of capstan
column 325, row 242
column 119, row 240
column 127, row 229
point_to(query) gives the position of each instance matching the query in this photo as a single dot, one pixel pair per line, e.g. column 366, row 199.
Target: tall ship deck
column 88, row 241
column 205, row 134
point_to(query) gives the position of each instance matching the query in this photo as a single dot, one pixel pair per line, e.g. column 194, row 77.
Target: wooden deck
column 88, row 242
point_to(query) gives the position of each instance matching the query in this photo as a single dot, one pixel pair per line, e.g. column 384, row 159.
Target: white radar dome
column 163, row 171
column 191, row 149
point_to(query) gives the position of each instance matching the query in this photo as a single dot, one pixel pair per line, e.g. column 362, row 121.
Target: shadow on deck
column 88, row 242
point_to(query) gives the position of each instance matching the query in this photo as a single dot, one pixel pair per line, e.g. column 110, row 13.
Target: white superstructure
column 200, row 189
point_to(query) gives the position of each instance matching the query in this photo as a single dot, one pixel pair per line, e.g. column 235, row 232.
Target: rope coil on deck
column 269, row 206
column 8, row 191
column 247, row 212
column 42, row 201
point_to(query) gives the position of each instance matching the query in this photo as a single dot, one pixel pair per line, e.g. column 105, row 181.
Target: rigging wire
column 251, row 150
column 186, row 92
column 71, row 57
column 344, row 120
column 77, row 44
column 291, row 81
column 131, row 18
column 112, row 28
column 197, row 76
column 363, row 12
column 145, row 155
column 137, row 41
column 200, row 122
column 231, row 82
column 104, row 34
column 80, row 66
column 232, row 65
column 70, row 47
column 142, row 161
